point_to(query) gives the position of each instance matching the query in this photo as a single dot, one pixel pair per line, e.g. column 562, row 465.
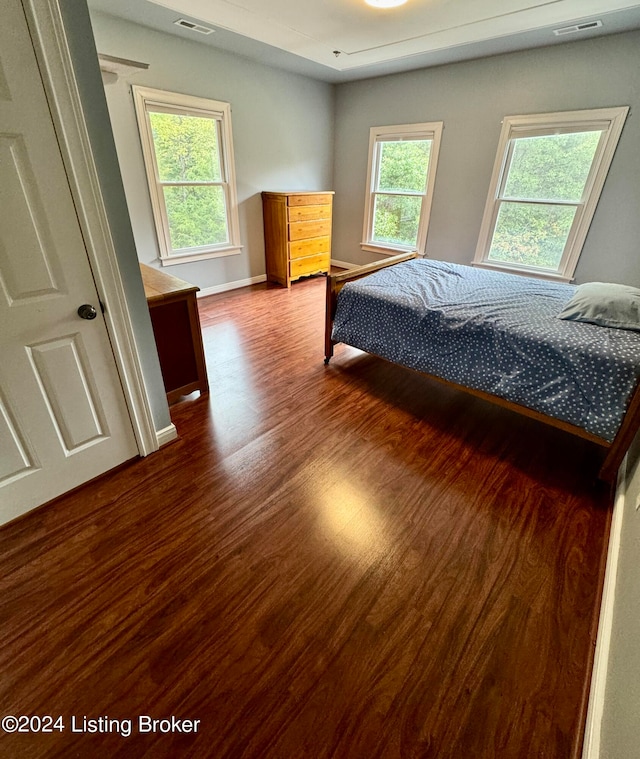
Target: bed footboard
column 335, row 283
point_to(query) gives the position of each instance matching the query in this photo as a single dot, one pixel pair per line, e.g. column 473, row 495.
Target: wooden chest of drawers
column 297, row 234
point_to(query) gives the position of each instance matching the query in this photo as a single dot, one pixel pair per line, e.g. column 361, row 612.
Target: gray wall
column 80, row 39
column 282, row 133
column 471, row 98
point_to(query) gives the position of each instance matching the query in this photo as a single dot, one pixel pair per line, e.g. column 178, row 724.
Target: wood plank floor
column 343, row 561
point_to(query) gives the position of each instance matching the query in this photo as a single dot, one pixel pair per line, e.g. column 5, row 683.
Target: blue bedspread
column 494, row 332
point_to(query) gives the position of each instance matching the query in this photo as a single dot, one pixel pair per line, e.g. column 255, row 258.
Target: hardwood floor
column 345, row 561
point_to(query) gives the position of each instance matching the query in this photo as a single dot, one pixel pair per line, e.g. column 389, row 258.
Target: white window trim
column 144, row 97
column 611, row 120
column 428, row 130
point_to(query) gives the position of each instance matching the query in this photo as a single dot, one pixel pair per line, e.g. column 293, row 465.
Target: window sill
column 536, row 273
column 385, row 250
column 190, row 257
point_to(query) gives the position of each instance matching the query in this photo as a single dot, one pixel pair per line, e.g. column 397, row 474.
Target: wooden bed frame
column 616, row 449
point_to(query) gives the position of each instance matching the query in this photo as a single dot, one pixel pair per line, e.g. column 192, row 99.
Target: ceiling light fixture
column 385, row 3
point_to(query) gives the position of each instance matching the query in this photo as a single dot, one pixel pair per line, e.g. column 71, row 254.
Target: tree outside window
column 188, row 156
column 402, row 164
column 549, row 173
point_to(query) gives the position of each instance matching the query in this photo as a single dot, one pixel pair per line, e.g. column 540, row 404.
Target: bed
column 498, row 336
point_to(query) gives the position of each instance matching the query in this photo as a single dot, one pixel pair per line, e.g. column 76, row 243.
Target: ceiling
column 341, row 40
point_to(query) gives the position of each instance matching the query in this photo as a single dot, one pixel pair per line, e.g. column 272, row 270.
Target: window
column 549, row 172
column 402, row 173
column 188, row 156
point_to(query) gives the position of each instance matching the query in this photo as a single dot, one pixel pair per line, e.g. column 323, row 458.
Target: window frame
column 377, row 135
column 147, row 99
column 611, row 122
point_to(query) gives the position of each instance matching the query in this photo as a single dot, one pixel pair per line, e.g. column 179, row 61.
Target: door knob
column 87, row 311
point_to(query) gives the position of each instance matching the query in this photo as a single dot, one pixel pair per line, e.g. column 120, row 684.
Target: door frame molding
column 49, row 40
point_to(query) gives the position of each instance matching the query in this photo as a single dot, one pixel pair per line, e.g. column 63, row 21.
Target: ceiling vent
column 193, row 27
column 577, row 28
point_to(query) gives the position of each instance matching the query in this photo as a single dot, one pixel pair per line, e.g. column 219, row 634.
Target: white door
column 63, row 416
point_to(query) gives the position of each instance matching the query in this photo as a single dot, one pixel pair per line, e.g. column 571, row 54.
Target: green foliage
column 197, row 215
column 532, row 235
column 403, row 165
column 548, row 168
column 187, row 150
column 403, row 168
column 552, row 167
column 396, row 219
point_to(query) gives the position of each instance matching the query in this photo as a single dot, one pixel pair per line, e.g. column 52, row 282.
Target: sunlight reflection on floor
column 351, row 517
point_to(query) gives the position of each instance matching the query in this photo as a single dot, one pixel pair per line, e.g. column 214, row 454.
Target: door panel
column 15, row 460
column 24, row 227
column 64, row 377
column 58, row 379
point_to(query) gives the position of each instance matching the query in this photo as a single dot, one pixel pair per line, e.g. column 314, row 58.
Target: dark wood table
column 176, row 327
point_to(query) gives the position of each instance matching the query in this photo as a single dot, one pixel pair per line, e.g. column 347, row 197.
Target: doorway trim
column 45, row 22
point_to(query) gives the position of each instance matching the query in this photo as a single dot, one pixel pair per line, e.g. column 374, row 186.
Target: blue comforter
column 494, row 332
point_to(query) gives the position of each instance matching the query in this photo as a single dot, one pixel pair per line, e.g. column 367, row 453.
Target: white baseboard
column 595, row 711
column 343, row 264
column 231, row 285
column 216, row 289
column 167, row 435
